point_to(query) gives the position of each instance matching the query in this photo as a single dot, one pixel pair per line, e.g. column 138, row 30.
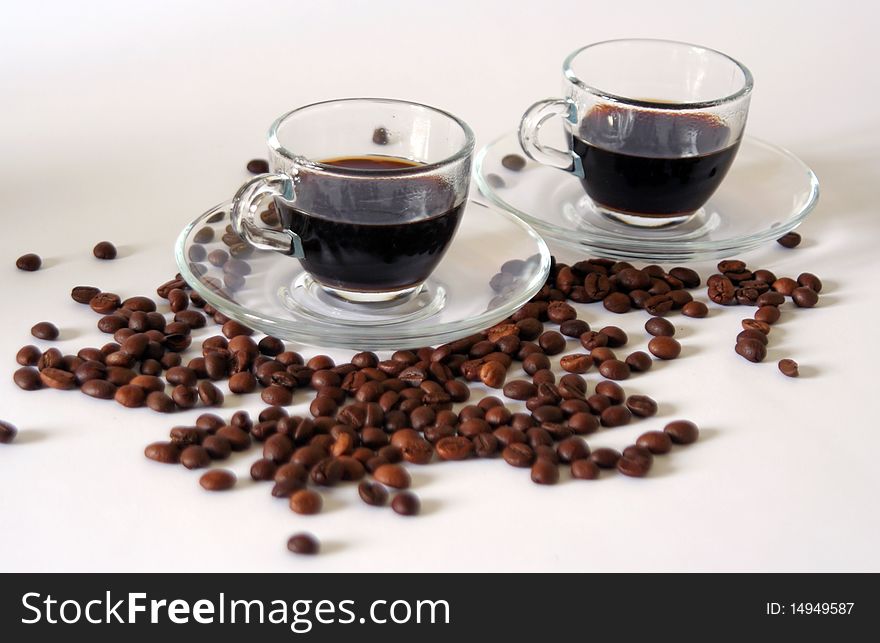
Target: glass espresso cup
column 369, row 193
column 653, row 126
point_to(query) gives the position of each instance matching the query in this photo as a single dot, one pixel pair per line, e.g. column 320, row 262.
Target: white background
column 126, row 120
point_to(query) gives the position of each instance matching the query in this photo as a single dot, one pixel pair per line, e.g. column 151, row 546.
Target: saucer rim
column 649, row 249
column 324, row 335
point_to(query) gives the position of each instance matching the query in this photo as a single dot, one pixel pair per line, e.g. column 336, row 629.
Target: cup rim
column 465, row 150
column 745, row 90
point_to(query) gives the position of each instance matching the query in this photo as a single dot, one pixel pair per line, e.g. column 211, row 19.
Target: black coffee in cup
column 368, row 232
column 652, row 163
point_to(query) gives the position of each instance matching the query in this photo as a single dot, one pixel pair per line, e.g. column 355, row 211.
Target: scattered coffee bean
column 641, row 405
column 29, row 262
column 306, row 502
column 210, row 394
column 658, row 326
column 406, row 503
column 584, row 469
column 258, row 166
column 217, row 480
column 657, row 442
column 614, row 369
column 664, row 347
column 804, row 297
column 45, row 330
column 164, row 452
column 513, row 162
column 393, row 475
column 303, row 544
column 83, row 294
column 682, row 431
column 789, row 240
column 544, row 472
column 195, row 457
column 639, row 361
column 788, row 367
column 614, row 416
column 576, row 363
column 751, row 349
column 452, row 448
column 7, row 432
column 605, row 458
column 28, row 355
column 695, row 309
column 635, row 462
column 104, row 250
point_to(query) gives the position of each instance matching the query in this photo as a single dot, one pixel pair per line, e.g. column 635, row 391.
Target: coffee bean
column 210, row 394
column 751, row 333
column 601, row 354
column 306, row 502
column 159, row 402
column 584, row 469
column 754, row 324
column 99, row 389
column 574, row 328
column 328, row 472
column 513, row 162
column 576, row 363
column 767, row 314
column 551, row 342
column 751, row 349
column 105, row 303
column 789, row 240
column 641, row 405
column 664, row 347
column 453, row 448
column 639, row 361
column 593, row 339
column 104, row 250
column 614, row 369
column 195, row 457
column 695, row 309
column 7, row 432
column 373, row 493
column 635, row 462
column 263, row 470
column 689, row 278
column 583, row 423
column 303, row 544
column 784, row 286
column 28, row 355
column 406, row 503
column 605, row 458
column 659, row 304
column 258, row 166
column 492, row 374
column 130, row 395
column 658, row 327
column 811, row 281
column 571, row 449
column 217, row 480
column 682, row 431
column 560, row 312
column 615, row 416
column 239, row 439
column 612, row 391
column 184, row 396
column 788, row 367
column 770, row 298
column 657, row 442
column 617, row 302
column 598, row 403
column 544, row 472
column 535, row 362
column 529, row 329
column 57, row 379
column 721, row 290
column 393, row 475
column 804, row 297
column 164, row 452
column 518, row 454
column 29, row 262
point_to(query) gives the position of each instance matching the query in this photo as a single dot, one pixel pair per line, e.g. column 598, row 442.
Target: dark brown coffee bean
column 576, row 363
column 258, row 166
column 29, row 262
column 560, row 312
column 57, row 379
column 529, row 329
column 83, row 294
column 574, row 328
column 804, row 297
column 635, row 462
column 658, row 326
column 195, row 457
column 302, row 544
column 149, row 383
column 657, row 442
column 753, row 324
column 327, row 472
column 306, row 502
column 617, row 302
column 159, row 402
column 751, row 349
column 682, row 431
column 7, row 432
column 513, row 162
column 492, row 374
column 130, row 395
column 164, row 452
column 185, row 397
column 406, row 503
column 583, row 423
column 551, row 342
column 721, row 290
column 689, row 278
column 104, row 250
column 105, row 303
column 784, row 286
column 605, row 458
column 641, row 405
column 593, row 339
column 373, row 493
column 789, row 240
column 584, row 469
column 544, row 472
column 571, row 449
column 811, row 281
column 770, row 298
column 695, row 309
column 181, row 375
column 617, row 415
column 28, row 356
column 263, row 470
column 99, row 389
column 767, row 314
column 614, row 369
column 217, row 447
column 217, row 480
column 664, row 347
column 210, row 394
column 393, row 475
column 454, row 448
column 639, row 361
column 518, row 454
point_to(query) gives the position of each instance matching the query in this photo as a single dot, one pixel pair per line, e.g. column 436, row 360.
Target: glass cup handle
column 530, row 129
column 244, row 208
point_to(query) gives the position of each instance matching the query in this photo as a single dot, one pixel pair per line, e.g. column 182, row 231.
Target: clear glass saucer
column 767, row 192
column 495, row 264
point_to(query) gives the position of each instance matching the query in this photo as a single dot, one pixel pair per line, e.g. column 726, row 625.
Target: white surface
column 124, row 123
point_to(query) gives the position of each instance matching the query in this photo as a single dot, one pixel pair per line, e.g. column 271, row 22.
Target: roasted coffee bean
column 535, row 362
column 393, row 475
column 185, row 397
column 181, row 375
column 210, row 394
column 130, row 395
column 105, row 303
column 457, row 391
column 242, row 383
column 302, row 544
column 217, row 365
column 306, row 502
column 751, row 333
column 217, row 480
column 617, row 302
column 804, row 297
column 571, row 449
column 641, row 405
column 258, row 166
column 664, row 347
column 584, row 469
column 788, row 367
column 551, row 342
column 513, row 162
column 600, row 354
column 99, row 389
column 276, row 395
column 811, row 281
column 767, row 314
column 239, row 439
column 583, row 423
column 159, row 402
column 57, row 378
column 682, row 431
column 598, row 403
column 751, row 349
column 657, row 442
column 83, row 294
column 574, row 328
column 612, row 391
column 695, row 309
column 492, row 374
column 210, row 422
column 560, row 312
column 605, row 458
column 658, row 326
column 753, row 324
column 149, row 383
column 635, row 462
column 593, row 339
column 518, row 454
column 770, row 298
column 217, row 447
column 192, row 318
column 195, row 457
column 104, row 250
column 29, row 262
column 7, row 432
column 614, row 369
column 659, row 304
column 327, row 472
column 520, row 389
column 183, row 436
column 616, row 415
column 52, row 358
column 373, row 493
column 164, row 452
column 263, row 470
column 544, row 472
column 406, row 503
column 453, row 448
column 689, row 278
column 529, row 329
column 639, row 361
column 721, row 290
column 789, row 240
column 28, row 355
column 784, row 285
column 139, row 304
column 576, row 363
